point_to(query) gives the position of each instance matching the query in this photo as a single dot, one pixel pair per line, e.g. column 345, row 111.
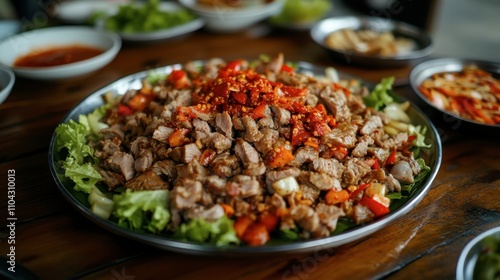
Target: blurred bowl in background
column 427, row 71
column 7, row 80
column 230, row 19
column 300, row 15
column 38, row 40
column 9, row 28
column 470, row 255
column 421, row 43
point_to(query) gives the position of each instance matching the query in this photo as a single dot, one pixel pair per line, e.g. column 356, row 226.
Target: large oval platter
column 79, row 200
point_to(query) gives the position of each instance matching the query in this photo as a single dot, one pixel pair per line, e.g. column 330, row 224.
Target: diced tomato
column 234, row 65
column 178, row 79
column 278, row 157
column 269, row 220
column 256, row 234
column 339, row 152
column 290, row 91
column 207, row 156
column 139, row 102
column 241, row 224
column 287, row 68
column 124, row 110
column 376, row 207
column 333, row 196
column 392, row 158
column 359, row 189
column 228, row 209
column 259, row 111
column 178, row 137
column 239, row 97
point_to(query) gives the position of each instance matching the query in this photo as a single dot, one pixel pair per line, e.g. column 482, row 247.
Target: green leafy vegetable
column 142, row 210
column 220, row 232
column 133, row 18
column 302, row 11
column 78, row 164
column 380, row 95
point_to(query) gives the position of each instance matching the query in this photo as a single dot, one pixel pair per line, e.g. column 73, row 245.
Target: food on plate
column 57, row 55
column 147, row 17
column 369, row 42
column 487, row 265
column 244, row 152
column 233, row 3
column 302, row 11
column 472, row 93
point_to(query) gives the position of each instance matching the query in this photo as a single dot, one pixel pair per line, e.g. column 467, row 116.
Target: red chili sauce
column 57, row 55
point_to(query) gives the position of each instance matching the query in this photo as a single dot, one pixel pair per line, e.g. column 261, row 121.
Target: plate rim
column 193, row 248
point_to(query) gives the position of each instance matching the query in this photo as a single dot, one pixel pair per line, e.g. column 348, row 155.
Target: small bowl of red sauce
column 56, row 53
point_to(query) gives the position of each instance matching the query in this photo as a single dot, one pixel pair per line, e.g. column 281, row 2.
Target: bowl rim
column 468, row 255
column 389, row 24
column 5, row 90
column 115, row 40
column 417, row 75
column 232, row 13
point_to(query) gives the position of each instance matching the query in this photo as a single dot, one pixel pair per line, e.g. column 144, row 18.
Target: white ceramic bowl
column 227, row 19
column 9, row 28
column 26, row 42
column 7, row 80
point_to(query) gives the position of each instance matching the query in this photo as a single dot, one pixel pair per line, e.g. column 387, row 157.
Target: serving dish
column 325, row 27
column 471, row 252
column 228, row 19
column 79, row 11
column 428, row 68
column 163, row 34
column 134, row 81
column 9, row 28
column 27, row 42
column 7, row 80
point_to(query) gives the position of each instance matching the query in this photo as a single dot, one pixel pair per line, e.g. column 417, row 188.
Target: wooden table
column 55, row 242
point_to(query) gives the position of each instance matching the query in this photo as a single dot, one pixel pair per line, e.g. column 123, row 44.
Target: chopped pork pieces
column 256, row 140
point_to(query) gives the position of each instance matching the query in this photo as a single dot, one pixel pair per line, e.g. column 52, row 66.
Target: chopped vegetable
column 220, row 232
column 142, row 210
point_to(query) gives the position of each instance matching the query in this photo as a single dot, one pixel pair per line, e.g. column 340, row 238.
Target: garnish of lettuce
column 145, row 210
column 72, row 138
column 220, row 232
column 380, row 96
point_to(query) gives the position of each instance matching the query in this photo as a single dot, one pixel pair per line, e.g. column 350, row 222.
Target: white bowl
column 7, row 79
column 9, row 28
column 227, row 19
column 26, row 42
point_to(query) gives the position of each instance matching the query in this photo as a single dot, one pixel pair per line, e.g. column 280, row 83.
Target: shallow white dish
column 77, row 12
column 7, row 80
column 227, row 19
column 163, row 34
column 26, row 42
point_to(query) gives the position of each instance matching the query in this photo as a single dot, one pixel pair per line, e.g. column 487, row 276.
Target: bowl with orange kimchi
column 465, row 89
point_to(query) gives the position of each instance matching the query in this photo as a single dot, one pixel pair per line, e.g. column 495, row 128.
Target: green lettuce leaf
column 78, row 164
column 142, row 210
column 220, row 232
column 380, row 95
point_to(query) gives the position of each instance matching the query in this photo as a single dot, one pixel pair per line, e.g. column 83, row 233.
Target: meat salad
column 244, row 152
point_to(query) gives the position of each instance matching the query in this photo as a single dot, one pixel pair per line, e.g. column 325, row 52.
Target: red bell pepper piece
column 376, row 207
column 392, row 158
column 359, row 189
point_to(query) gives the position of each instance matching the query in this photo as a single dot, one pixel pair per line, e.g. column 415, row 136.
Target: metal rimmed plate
column 325, row 27
column 78, row 200
column 426, row 69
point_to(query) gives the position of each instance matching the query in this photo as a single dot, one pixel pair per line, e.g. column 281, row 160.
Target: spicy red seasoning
column 245, row 92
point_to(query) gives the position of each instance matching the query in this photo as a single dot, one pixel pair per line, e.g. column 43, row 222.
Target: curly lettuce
column 220, row 232
column 142, row 210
